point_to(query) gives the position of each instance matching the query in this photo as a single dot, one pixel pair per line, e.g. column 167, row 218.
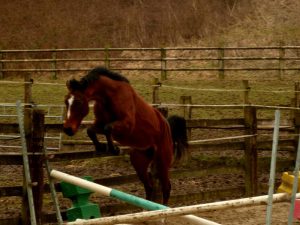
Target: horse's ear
column 73, row 85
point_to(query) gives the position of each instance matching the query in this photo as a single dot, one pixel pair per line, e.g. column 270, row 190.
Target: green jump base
column 88, row 211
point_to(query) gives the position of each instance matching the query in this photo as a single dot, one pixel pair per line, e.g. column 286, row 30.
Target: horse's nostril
column 68, row 131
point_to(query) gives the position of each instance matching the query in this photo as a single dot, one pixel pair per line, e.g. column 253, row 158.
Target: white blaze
column 70, row 101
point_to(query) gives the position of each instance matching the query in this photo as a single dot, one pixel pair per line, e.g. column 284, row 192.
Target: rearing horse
column 122, row 115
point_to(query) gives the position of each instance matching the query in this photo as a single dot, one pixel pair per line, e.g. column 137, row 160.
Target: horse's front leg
column 101, row 147
column 115, row 150
column 92, row 133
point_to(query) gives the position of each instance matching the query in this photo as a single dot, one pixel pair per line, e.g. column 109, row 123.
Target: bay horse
column 124, row 116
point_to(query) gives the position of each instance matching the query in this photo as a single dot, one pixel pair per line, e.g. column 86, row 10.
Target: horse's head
column 77, row 107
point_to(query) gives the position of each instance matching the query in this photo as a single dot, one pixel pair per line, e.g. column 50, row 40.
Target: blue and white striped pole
column 131, row 199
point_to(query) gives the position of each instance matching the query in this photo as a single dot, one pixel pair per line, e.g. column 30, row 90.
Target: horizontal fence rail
column 253, row 133
column 219, row 60
column 241, row 144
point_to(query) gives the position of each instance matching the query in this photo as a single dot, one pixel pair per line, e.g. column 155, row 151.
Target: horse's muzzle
column 69, row 131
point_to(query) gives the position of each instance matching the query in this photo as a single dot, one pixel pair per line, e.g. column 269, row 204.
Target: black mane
column 97, row 72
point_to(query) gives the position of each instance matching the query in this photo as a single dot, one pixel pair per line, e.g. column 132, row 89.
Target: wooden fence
column 251, row 164
column 221, row 61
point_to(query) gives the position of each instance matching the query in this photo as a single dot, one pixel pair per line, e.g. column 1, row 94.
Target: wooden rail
column 220, row 60
column 251, row 164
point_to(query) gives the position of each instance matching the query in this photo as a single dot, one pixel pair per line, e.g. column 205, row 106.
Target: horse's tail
column 179, row 135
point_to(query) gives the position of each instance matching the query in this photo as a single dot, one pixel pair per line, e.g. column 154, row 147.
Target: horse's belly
column 138, row 140
column 148, row 131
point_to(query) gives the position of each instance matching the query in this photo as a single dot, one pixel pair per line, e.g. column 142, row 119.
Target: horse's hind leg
column 141, row 160
column 164, row 178
column 162, row 163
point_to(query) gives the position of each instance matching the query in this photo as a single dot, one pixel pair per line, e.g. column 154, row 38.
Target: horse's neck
column 96, row 92
column 94, row 96
column 103, row 88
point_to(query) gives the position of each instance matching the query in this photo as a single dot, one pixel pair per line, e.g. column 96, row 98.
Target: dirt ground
column 255, row 215
column 252, row 215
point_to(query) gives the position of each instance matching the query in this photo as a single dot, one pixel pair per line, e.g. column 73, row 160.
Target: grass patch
column 203, row 92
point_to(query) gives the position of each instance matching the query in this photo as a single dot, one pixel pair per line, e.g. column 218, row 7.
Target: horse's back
column 150, row 126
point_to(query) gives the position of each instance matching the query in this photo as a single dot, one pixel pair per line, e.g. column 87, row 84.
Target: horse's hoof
column 115, row 150
column 101, row 148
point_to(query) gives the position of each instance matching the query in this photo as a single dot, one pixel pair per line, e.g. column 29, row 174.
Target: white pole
column 273, row 167
column 131, row 199
column 175, row 212
column 97, row 188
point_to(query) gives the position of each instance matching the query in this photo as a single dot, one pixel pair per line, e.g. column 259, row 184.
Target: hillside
column 121, row 23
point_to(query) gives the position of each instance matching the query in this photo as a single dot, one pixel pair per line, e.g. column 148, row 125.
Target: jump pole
column 179, row 211
column 131, row 199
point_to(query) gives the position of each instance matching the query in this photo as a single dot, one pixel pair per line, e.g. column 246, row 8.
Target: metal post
column 273, row 167
column 26, row 165
column 53, row 192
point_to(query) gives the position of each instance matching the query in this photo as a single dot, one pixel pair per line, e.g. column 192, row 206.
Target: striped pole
column 131, row 199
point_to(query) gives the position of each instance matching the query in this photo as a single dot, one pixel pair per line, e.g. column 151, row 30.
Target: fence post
column 246, row 91
column 106, row 55
column 34, row 131
column 28, row 88
column 251, row 181
column 54, row 65
column 36, row 161
column 281, row 61
column 221, row 54
column 163, row 55
column 163, row 110
column 1, row 65
column 187, row 110
column 155, row 91
column 296, row 116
